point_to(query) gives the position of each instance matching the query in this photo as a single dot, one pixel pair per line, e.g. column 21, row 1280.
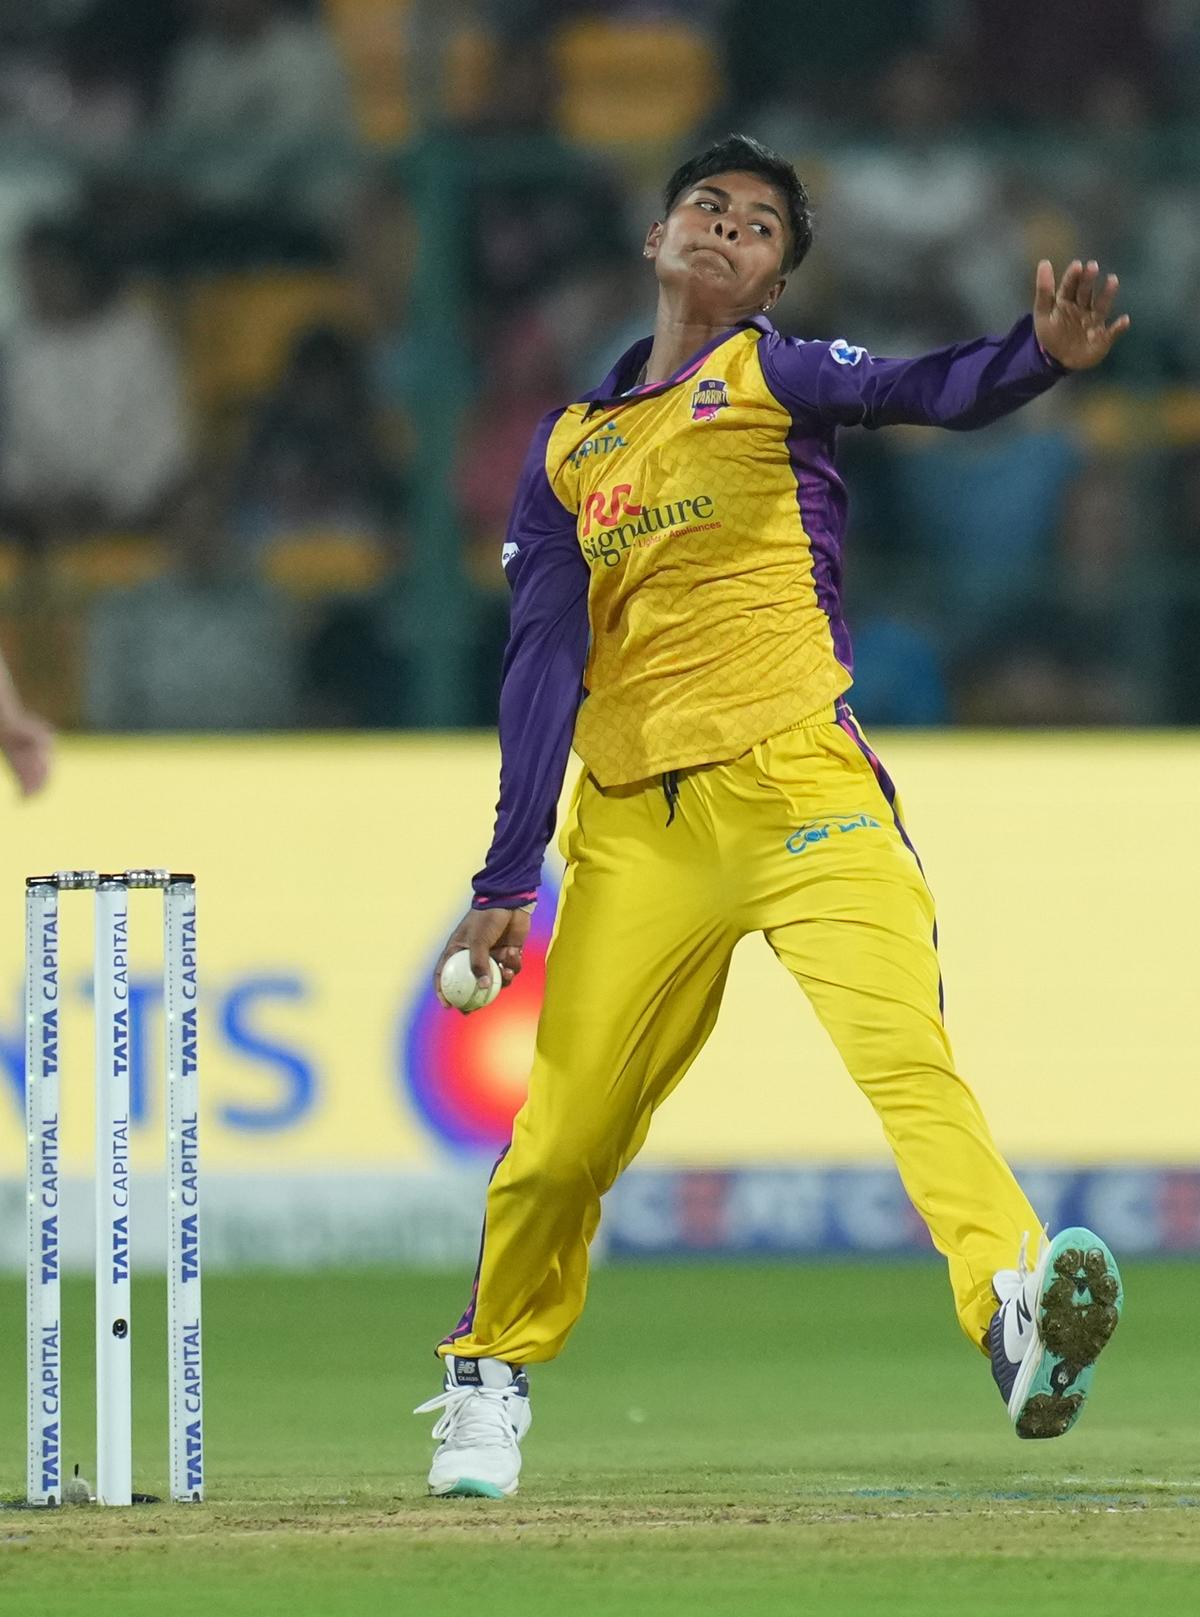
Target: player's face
column 724, row 243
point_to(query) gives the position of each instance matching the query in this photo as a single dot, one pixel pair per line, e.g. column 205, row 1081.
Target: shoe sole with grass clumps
column 1079, row 1310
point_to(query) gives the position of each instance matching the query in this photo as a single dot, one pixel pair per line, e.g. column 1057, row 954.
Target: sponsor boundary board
column 431, row 1220
column 333, row 867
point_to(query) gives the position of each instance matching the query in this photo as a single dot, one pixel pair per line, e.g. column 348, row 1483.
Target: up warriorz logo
column 602, row 444
column 710, row 396
column 625, row 522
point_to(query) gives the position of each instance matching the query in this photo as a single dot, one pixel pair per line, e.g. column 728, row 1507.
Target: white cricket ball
column 460, row 988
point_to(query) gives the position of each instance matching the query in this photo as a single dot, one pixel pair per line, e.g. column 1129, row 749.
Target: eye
column 706, row 202
column 763, row 229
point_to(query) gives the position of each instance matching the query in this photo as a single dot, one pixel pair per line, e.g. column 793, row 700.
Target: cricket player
column 675, row 560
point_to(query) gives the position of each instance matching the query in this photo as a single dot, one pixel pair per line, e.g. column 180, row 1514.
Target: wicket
column 114, row 1434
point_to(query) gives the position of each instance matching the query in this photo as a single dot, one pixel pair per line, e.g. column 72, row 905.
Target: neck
column 679, row 333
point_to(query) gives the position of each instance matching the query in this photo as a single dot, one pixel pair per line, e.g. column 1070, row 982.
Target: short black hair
column 744, row 154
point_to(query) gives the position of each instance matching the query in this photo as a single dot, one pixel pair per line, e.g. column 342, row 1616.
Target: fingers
column 1043, row 294
column 1069, row 284
column 1103, row 301
column 481, row 960
column 460, row 938
column 487, row 935
column 484, row 929
column 509, row 961
column 1085, row 295
column 34, row 776
column 1081, row 286
column 30, row 763
column 511, row 945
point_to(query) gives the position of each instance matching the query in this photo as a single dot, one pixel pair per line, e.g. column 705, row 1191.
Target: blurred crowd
column 285, row 285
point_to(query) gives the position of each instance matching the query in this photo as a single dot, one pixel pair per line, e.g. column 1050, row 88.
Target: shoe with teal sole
column 1051, row 1326
column 484, row 1414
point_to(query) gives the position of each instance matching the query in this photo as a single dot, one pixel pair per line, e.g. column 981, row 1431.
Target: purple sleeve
column 966, row 385
column 542, row 681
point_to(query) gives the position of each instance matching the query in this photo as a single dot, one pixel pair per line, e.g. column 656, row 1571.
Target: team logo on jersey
column 845, row 353
column 710, row 396
column 602, row 444
column 510, row 552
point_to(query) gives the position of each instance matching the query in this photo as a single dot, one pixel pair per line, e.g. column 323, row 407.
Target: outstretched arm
column 963, row 386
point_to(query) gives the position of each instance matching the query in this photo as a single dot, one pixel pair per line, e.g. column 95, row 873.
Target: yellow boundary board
column 1066, row 868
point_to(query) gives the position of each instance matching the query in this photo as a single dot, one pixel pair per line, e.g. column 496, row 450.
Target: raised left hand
column 1072, row 324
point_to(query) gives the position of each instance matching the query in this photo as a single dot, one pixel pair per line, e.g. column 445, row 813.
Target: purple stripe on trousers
column 463, row 1328
column 849, row 724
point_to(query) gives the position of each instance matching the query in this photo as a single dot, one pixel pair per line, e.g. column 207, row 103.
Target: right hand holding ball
column 459, row 987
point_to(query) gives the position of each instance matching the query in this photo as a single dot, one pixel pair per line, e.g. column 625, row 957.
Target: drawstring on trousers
column 670, row 786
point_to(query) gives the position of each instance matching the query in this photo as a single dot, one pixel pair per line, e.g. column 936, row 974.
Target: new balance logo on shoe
column 484, row 1414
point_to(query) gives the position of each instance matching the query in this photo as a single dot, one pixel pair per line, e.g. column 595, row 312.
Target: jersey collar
column 615, row 388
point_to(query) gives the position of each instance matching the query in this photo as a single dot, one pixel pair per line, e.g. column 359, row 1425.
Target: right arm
column 540, row 694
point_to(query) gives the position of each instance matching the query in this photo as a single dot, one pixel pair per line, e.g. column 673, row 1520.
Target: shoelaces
column 1007, row 1282
column 473, row 1415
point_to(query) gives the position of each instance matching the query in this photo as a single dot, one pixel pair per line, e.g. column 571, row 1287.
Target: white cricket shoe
column 486, row 1413
column 1051, row 1326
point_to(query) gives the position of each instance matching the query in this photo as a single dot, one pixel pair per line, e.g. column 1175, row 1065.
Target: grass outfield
column 717, row 1440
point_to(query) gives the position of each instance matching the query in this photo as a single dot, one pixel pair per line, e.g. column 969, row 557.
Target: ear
column 654, row 238
column 773, row 296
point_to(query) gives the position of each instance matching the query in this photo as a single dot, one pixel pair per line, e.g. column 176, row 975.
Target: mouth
column 706, row 247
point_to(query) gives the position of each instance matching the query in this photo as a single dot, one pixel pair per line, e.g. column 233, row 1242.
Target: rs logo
column 608, row 509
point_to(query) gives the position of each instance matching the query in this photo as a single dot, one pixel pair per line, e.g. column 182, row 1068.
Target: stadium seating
column 372, row 37
column 107, row 561
column 627, row 86
column 310, row 565
column 239, row 329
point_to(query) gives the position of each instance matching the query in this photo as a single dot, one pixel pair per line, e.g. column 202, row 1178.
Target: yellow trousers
column 801, row 839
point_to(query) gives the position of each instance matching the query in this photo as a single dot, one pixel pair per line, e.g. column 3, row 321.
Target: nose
column 728, row 231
